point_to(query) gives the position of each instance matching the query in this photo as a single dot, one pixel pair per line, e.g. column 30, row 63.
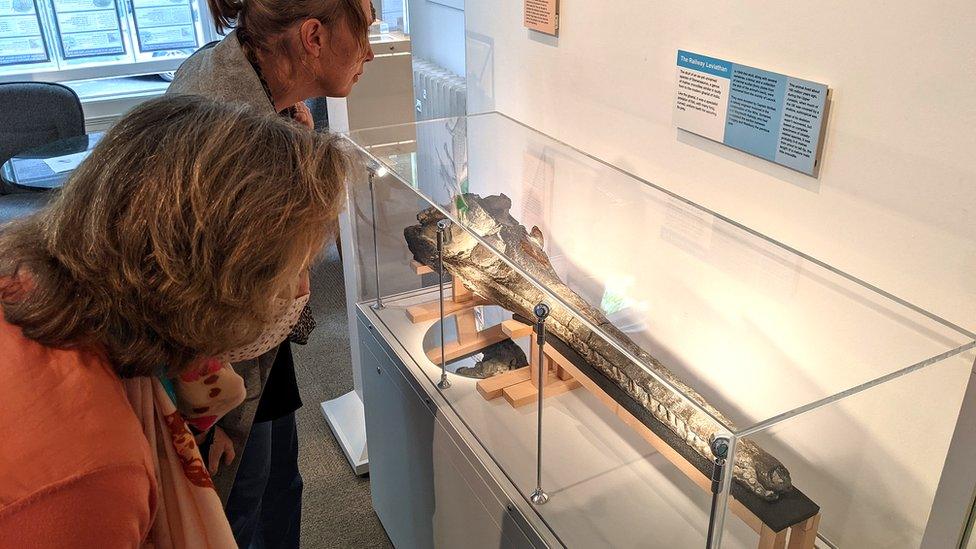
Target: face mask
column 273, row 333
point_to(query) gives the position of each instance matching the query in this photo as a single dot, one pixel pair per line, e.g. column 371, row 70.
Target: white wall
column 895, row 203
column 437, row 32
column 895, row 200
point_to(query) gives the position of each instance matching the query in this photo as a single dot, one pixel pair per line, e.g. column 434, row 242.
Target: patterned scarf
column 189, row 513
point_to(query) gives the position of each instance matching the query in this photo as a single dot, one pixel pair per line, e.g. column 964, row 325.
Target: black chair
column 35, row 113
column 13, row 206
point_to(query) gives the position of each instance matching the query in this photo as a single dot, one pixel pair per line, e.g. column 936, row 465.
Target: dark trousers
column 265, row 504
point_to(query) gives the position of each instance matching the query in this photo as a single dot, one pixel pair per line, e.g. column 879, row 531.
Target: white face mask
column 273, row 333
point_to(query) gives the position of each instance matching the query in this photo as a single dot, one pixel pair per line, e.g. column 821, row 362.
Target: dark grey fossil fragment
column 496, row 359
column 484, row 273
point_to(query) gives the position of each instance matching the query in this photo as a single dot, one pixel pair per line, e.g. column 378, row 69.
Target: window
column 393, row 13
column 59, row 40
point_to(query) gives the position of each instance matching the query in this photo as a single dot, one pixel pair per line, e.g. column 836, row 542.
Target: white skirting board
column 348, row 422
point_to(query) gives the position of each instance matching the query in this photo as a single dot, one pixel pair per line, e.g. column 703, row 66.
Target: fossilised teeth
column 492, row 279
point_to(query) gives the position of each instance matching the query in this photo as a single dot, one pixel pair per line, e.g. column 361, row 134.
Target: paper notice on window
column 164, row 25
column 21, row 41
column 88, row 28
column 68, row 162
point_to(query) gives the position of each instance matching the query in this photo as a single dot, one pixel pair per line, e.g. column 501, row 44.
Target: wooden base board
column 420, row 268
column 772, row 540
column 459, row 292
column 526, row 392
column 492, row 387
column 432, row 310
column 803, row 536
column 516, row 329
column 456, row 349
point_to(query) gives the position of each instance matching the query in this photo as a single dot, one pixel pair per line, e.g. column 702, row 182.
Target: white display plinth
column 347, row 421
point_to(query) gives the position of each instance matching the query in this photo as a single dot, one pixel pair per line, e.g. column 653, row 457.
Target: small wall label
column 542, row 16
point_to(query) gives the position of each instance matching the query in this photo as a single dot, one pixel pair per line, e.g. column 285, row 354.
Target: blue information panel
column 21, row 41
column 164, row 25
column 770, row 115
column 88, row 28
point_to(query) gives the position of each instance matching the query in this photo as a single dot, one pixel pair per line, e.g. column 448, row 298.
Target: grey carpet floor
column 336, row 507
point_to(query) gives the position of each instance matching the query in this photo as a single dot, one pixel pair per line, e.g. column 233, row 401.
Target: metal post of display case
column 539, row 496
column 723, row 448
column 376, row 248
column 442, row 225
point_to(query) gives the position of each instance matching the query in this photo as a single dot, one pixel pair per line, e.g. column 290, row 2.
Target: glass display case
column 701, row 384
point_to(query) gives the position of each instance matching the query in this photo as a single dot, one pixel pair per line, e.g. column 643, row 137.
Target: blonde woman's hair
column 170, row 241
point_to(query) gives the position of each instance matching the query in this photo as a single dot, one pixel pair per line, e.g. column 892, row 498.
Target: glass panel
column 685, row 325
column 390, row 207
column 611, row 478
column 875, row 463
column 598, row 458
column 756, row 329
column 391, row 16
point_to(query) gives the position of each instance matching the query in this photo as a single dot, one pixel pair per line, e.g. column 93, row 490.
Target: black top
column 280, row 396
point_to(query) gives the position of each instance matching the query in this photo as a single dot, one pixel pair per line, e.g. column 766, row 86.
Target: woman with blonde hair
column 183, row 237
column 279, row 53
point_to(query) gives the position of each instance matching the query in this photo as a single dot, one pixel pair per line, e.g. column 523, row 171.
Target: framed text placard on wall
column 542, row 16
column 770, row 115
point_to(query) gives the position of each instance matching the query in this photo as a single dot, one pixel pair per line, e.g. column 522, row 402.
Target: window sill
column 105, row 100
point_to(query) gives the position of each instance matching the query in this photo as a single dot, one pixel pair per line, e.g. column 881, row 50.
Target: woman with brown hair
column 183, row 236
column 280, row 53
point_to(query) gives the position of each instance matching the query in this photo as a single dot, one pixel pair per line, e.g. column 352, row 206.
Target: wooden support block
column 420, row 268
column 525, row 392
column 459, row 292
column 558, row 387
column 467, row 325
column 803, row 536
column 772, row 540
column 534, row 365
column 516, row 329
column 563, row 373
column 456, row 349
column 431, row 309
column 520, row 394
column 493, row 386
column 582, row 378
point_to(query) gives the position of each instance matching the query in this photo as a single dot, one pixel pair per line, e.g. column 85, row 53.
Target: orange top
column 75, row 466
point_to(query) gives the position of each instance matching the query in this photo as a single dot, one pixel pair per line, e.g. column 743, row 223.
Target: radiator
column 442, row 159
column 439, row 92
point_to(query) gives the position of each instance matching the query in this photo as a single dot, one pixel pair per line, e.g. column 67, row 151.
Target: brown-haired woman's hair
column 260, row 22
column 171, row 240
